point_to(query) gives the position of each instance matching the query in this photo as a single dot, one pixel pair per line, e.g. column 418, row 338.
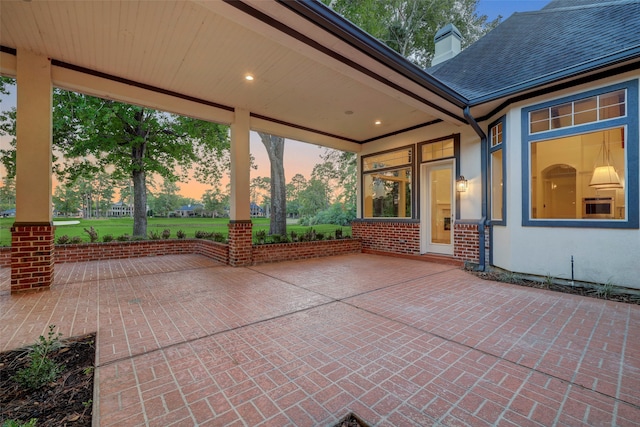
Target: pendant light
column 605, row 176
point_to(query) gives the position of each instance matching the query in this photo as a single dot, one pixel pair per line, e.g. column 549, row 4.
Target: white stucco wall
column 600, row 255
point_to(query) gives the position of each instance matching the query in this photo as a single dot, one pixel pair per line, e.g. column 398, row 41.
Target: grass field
column 120, row 226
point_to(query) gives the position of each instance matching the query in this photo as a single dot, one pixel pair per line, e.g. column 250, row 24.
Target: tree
column 67, row 199
column 294, row 187
column 215, row 202
column 409, row 26
column 314, row 198
column 275, row 150
column 167, row 200
column 96, row 134
column 7, row 193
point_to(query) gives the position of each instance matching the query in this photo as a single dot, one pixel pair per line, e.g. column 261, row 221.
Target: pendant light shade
column 605, row 176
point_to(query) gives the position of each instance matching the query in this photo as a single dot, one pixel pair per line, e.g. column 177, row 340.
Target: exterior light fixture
column 461, row 184
column 605, row 176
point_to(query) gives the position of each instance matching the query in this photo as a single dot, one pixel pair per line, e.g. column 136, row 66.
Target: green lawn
column 120, row 226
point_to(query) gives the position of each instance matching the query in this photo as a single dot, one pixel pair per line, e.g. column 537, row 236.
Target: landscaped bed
column 65, row 400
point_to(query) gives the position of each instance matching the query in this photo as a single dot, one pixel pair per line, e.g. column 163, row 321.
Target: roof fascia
column 322, row 16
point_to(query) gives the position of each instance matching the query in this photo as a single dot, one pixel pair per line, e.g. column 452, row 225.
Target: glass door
column 438, row 207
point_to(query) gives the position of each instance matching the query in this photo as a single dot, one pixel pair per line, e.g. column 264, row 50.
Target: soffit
column 203, row 49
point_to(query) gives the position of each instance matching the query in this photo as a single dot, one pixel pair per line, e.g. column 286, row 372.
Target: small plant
column 13, row 423
column 181, row 234
column 319, row 236
column 63, row 240
column 166, row 233
column 338, row 233
column 548, row 281
column 276, row 238
column 510, row 277
column 93, row 234
column 88, row 370
column 76, row 240
column 261, row 236
column 294, row 236
column 154, row 235
column 219, row 237
column 605, row 291
column 87, row 403
column 41, row 368
column 123, row 238
column 107, row 238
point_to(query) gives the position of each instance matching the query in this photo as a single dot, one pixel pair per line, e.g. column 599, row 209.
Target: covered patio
column 184, row 340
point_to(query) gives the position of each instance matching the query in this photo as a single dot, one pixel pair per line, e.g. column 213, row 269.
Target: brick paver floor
column 185, row 341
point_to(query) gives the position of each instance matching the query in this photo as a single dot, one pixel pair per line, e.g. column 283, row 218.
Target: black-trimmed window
column 387, row 184
column 497, row 162
column 567, row 143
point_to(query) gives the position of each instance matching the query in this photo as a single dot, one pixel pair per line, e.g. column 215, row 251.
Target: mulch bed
column 64, row 402
column 600, row 292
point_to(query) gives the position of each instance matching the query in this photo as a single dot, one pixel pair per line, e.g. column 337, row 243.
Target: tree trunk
column 139, row 204
column 275, row 150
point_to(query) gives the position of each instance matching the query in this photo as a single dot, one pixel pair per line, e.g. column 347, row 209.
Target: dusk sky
column 301, row 157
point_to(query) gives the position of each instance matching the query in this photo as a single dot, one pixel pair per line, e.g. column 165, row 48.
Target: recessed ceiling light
column 378, row 122
column 348, row 112
column 248, row 77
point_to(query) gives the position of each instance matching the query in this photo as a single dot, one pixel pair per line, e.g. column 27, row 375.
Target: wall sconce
column 461, row 184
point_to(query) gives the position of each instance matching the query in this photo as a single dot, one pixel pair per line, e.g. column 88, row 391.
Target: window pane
column 586, row 111
column 612, row 105
column 561, row 115
column 539, row 120
column 562, row 176
column 496, row 185
column 388, row 194
column 386, row 160
column 437, row 150
column 496, row 135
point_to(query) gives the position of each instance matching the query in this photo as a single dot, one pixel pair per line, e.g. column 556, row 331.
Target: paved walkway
column 185, row 341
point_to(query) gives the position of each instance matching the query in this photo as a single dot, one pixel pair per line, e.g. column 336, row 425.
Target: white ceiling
column 203, row 49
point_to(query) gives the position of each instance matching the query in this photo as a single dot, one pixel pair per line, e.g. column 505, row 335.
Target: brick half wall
column 467, row 241
column 118, row 250
column 294, row 251
column 399, row 237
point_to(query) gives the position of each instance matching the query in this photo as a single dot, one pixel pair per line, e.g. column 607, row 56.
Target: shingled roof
column 565, row 38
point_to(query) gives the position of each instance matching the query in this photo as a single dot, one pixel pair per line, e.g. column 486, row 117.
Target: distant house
column 120, row 209
column 8, row 213
column 256, row 211
column 188, row 211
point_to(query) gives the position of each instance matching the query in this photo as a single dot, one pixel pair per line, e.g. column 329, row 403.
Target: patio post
column 240, row 248
column 32, row 234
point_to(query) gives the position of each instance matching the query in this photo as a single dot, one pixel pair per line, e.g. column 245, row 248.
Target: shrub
column 181, row 234
column 76, row 240
column 93, row 234
column 63, row 240
column 219, row 237
column 41, row 369
column 260, row 236
column 123, row 238
column 204, row 234
column 154, row 235
column 166, row 233
column 107, row 238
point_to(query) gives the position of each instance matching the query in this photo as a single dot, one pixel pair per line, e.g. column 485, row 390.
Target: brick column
column 240, row 243
column 466, row 242
column 31, row 257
